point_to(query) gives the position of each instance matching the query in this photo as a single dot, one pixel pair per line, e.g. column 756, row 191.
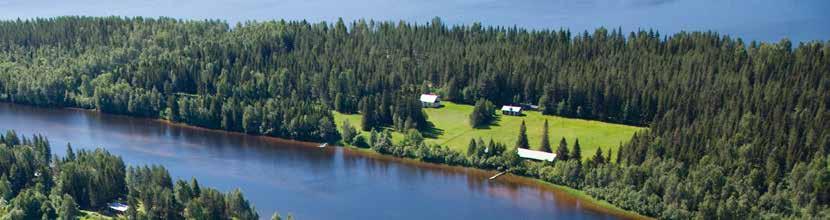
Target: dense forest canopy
column 35, row 184
column 737, row 130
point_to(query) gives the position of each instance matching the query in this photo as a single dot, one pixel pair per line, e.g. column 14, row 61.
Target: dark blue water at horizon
column 758, row 20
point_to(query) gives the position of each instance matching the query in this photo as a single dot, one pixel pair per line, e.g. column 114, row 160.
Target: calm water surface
column 299, row 178
column 760, row 20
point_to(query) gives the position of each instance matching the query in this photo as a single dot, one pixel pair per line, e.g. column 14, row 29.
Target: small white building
column 511, row 110
column 430, row 100
column 117, row 206
column 536, row 155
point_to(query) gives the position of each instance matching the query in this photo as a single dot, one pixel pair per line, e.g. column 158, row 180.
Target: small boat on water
column 323, row 145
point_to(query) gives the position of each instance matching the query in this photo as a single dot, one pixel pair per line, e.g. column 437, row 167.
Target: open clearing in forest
column 451, row 128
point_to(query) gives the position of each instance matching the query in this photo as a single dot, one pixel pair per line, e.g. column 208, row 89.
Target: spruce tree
column 562, row 150
column 367, row 121
column 608, row 156
column 474, row 118
column 68, row 208
column 546, row 139
column 339, row 103
column 5, row 188
column 70, row 154
column 522, row 141
column 598, row 158
column 471, row 148
column 491, row 148
column 577, row 154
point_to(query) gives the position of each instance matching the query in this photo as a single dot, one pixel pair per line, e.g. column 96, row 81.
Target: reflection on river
column 299, row 178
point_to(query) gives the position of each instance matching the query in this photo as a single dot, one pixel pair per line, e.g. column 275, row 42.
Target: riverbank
column 477, row 175
column 580, row 196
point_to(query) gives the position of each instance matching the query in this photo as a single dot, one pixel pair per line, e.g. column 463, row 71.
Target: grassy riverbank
column 583, row 196
column 451, row 128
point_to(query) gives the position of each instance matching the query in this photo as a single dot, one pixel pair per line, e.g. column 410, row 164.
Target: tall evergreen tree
column 546, row 139
column 472, row 148
column 522, row 142
column 70, row 154
column 598, row 159
column 562, row 151
column 608, row 156
column 68, row 209
column 577, row 151
column 367, row 122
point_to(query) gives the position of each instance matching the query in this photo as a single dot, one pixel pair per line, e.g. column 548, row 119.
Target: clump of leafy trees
column 483, row 114
column 34, row 184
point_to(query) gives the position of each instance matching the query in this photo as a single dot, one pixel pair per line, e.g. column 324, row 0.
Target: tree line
column 730, row 122
column 35, row 184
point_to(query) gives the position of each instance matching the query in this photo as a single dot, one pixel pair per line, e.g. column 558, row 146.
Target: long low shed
column 536, row 155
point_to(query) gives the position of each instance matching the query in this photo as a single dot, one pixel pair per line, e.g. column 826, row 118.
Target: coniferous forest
column 737, row 130
column 35, row 184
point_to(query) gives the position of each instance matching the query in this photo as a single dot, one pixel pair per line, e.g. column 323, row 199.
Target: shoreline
column 580, row 197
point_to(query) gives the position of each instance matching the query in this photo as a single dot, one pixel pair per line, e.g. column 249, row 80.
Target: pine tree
column 471, row 148
column 68, row 209
column 546, row 139
column 374, row 137
column 491, row 148
column 70, row 154
column 608, row 156
column 577, row 154
column 547, row 103
column 598, row 158
column 5, row 188
column 339, row 103
column 522, row 141
column 562, row 150
column 367, row 121
column 194, row 186
column 474, row 118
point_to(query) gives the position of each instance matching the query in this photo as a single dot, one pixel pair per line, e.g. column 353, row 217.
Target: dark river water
column 300, row 178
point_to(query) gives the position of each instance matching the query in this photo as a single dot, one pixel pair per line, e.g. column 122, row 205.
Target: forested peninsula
column 35, row 184
column 736, row 130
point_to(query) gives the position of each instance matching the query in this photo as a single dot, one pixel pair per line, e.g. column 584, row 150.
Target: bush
column 348, row 132
column 359, row 141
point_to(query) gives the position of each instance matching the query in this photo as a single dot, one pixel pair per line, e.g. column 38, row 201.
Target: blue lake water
column 301, row 178
column 760, row 20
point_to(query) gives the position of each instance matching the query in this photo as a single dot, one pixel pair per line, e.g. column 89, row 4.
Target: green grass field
column 89, row 215
column 453, row 130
